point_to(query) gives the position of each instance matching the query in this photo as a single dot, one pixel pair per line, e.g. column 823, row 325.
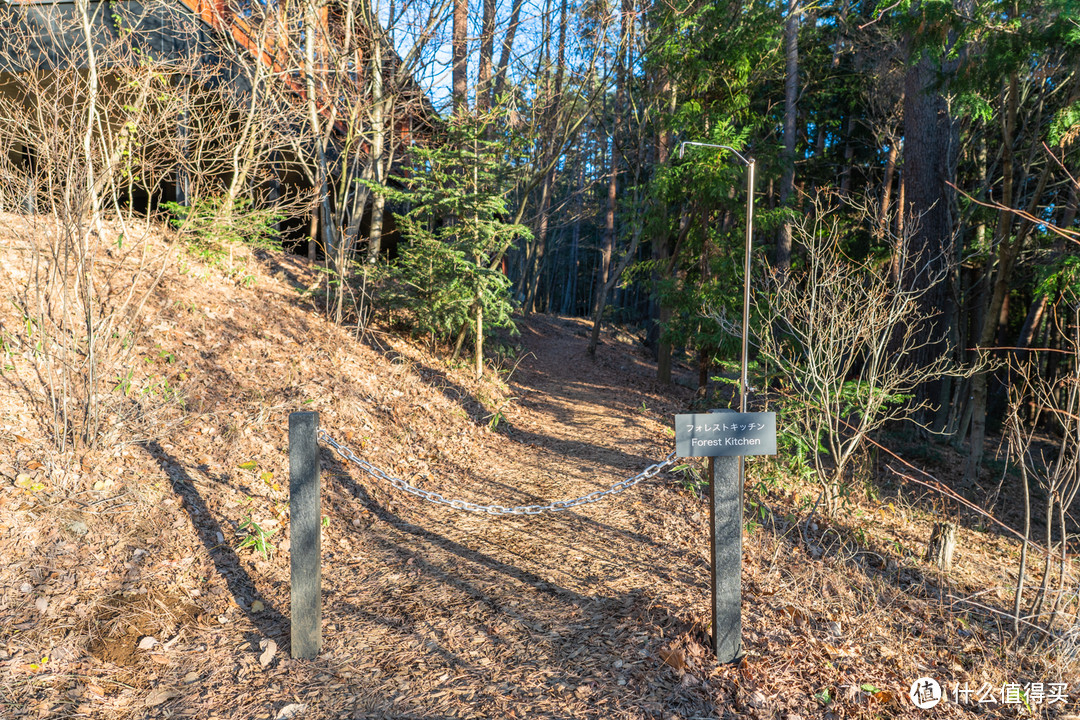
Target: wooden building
column 222, row 43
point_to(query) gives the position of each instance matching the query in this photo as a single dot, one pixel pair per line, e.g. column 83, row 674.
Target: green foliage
column 715, row 58
column 255, row 537
column 210, row 225
column 757, row 512
column 454, row 231
column 973, row 105
column 796, row 448
column 710, row 240
column 692, row 478
column 1062, row 276
column 1065, row 125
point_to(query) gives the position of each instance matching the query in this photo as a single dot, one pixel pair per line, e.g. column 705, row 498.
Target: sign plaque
column 721, row 434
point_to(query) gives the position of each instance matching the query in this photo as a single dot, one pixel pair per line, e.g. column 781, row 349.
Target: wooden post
column 726, row 438
column 305, row 513
column 725, row 540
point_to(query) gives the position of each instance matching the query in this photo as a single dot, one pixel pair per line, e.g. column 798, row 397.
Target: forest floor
column 128, row 590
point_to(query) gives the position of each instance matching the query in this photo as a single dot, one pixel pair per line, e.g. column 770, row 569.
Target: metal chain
column 436, row 498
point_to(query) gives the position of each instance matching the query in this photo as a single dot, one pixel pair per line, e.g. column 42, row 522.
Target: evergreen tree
column 454, row 228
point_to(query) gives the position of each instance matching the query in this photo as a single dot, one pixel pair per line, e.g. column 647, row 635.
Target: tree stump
column 942, row 543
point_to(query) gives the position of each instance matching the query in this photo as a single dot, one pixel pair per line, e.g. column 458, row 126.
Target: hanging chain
column 436, row 498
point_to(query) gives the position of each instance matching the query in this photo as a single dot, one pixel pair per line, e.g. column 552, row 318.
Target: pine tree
column 454, row 229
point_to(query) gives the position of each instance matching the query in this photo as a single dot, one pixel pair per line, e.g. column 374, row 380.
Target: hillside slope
column 129, row 589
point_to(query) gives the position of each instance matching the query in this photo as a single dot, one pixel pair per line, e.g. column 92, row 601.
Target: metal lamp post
column 749, row 162
column 728, row 479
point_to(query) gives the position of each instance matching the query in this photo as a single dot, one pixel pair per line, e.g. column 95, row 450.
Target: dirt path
column 128, row 592
column 428, row 612
column 560, row 615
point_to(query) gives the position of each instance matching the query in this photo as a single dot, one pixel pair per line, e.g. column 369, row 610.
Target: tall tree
column 459, row 52
column 791, row 95
column 930, row 153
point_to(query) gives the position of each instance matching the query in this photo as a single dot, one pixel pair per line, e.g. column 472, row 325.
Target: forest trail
column 606, row 409
column 131, row 590
column 428, row 612
column 547, row 615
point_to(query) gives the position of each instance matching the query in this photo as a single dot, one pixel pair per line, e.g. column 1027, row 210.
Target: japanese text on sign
column 725, row 433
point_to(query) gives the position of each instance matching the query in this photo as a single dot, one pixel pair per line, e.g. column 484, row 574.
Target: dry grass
column 595, row 613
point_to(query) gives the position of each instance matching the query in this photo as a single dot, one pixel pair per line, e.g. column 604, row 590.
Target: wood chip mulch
column 126, row 592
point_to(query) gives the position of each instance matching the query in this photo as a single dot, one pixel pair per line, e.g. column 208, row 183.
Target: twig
column 809, row 517
column 1069, row 235
column 937, row 486
column 880, row 15
column 996, row 612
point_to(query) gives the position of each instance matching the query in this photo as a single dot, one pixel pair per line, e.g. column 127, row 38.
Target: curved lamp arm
column 736, row 153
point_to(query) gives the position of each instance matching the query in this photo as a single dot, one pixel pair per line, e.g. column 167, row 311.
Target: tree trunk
column 661, row 251
column 849, row 153
column 459, row 57
column 791, row 95
column 378, row 130
column 928, row 153
column 942, row 543
column 323, row 220
column 1008, row 250
column 886, row 187
column 609, row 215
column 479, row 337
column 504, row 55
column 613, row 174
column 548, row 150
column 487, row 51
column 607, row 278
column 1038, row 305
column 569, row 306
column 535, row 269
column 630, row 254
column 1022, row 571
column 901, row 205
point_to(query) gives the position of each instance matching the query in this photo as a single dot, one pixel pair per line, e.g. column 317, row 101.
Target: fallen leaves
column 796, row 615
column 674, row 657
column 756, row 699
column 160, row 696
column 290, row 711
column 269, row 648
column 836, row 652
column 598, row 638
column 883, row 696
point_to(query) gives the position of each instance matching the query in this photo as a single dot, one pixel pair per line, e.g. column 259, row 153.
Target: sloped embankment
column 130, row 590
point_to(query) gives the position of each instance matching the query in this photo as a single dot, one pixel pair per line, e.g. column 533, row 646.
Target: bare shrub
column 98, row 108
column 1043, row 432
column 841, row 337
column 77, row 133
